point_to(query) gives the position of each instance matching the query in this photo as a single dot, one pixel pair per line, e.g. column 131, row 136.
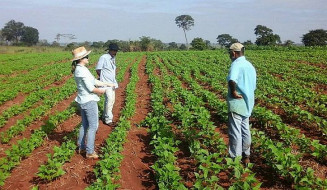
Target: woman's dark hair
column 74, row 63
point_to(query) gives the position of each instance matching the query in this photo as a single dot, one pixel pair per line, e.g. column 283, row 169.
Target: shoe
column 81, row 151
column 110, row 124
column 246, row 159
column 94, row 155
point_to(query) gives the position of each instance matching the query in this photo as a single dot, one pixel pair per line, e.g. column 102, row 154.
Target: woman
column 87, row 98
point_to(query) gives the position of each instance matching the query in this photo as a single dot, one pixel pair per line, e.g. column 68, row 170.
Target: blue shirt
column 107, row 66
column 244, row 75
column 85, row 82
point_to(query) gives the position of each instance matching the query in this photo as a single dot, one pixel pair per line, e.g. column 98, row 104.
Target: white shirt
column 107, row 66
column 85, row 82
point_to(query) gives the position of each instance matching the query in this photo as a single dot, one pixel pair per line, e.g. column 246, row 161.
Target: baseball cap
column 236, row 47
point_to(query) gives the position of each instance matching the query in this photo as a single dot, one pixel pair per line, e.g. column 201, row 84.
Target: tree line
column 16, row 33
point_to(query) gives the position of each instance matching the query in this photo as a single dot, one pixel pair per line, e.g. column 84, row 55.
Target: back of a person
column 246, row 84
column 248, row 80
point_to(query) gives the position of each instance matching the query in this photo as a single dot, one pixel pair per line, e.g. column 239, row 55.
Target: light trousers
column 90, row 124
column 239, row 135
column 108, row 105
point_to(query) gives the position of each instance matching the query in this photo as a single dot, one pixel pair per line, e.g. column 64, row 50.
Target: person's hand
column 102, row 91
column 236, row 95
column 99, row 91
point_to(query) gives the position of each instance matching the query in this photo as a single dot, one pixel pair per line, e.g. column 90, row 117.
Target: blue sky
column 101, row 20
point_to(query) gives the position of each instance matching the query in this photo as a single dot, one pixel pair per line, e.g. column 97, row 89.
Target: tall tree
column 13, row 31
column 226, row 40
column 185, row 22
column 315, row 38
column 265, row 36
column 30, row 35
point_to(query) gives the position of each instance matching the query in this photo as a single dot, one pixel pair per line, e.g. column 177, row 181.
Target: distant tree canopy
column 198, row 44
column 13, row 31
column 315, row 38
column 185, row 22
column 172, row 46
column 288, row 43
column 16, row 32
column 30, row 35
column 226, row 40
column 265, row 36
column 183, row 47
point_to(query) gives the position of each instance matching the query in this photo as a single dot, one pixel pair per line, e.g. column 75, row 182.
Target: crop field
column 171, row 123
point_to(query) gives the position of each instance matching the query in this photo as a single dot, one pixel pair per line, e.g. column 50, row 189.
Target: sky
column 102, row 20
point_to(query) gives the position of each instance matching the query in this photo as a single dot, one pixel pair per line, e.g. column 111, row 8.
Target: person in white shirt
column 87, row 98
column 106, row 70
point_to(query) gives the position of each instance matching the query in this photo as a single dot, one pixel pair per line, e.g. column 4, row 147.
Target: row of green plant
column 16, row 63
column 107, row 170
column 206, row 146
column 25, row 147
column 305, row 179
column 263, row 115
column 34, row 80
column 289, row 93
column 53, row 168
column 163, row 139
column 64, row 92
column 29, row 101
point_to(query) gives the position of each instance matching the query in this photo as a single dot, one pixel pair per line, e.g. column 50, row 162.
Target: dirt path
column 136, row 171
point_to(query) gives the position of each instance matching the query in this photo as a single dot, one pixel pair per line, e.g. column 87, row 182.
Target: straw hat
column 79, row 53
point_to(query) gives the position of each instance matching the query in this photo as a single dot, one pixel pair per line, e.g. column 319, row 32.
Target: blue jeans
column 108, row 105
column 239, row 135
column 90, row 124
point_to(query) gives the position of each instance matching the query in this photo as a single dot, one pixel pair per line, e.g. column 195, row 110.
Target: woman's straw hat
column 79, row 53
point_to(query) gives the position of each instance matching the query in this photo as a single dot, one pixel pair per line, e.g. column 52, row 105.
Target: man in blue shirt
column 106, row 69
column 240, row 99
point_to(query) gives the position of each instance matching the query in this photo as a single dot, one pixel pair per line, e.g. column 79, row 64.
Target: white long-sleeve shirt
column 85, row 82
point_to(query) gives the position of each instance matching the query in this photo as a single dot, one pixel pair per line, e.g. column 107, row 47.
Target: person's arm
column 100, row 83
column 232, row 87
column 99, row 91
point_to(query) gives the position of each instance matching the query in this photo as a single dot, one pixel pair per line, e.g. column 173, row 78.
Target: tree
column 30, row 35
column 198, row 44
column 55, row 44
column 247, row 42
column 208, row 44
column 99, row 44
column 43, row 43
column 183, row 47
column 288, row 43
column 144, row 42
column 185, row 22
column 172, row 46
column 265, row 36
column 315, row 38
column 13, row 31
column 226, row 40
column 157, row 44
